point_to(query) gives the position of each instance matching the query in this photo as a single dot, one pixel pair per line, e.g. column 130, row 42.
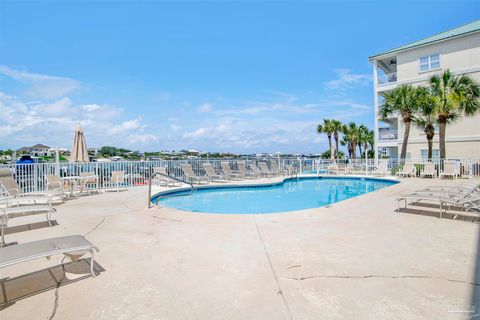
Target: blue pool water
column 290, row 195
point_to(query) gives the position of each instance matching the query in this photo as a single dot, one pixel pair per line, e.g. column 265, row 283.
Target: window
column 428, row 63
column 435, row 154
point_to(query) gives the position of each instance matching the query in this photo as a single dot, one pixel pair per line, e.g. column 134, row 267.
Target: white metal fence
column 31, row 177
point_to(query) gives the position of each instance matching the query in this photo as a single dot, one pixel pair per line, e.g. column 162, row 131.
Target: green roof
column 452, row 33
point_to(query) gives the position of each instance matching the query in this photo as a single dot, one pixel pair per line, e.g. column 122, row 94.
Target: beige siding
column 458, row 55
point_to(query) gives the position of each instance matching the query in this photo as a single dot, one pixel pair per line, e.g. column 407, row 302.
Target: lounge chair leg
column 2, row 242
column 92, row 261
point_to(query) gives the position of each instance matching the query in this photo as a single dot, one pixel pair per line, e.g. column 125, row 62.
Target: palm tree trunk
column 360, row 149
column 336, row 144
column 442, row 124
column 406, row 133
column 332, row 152
column 430, row 148
column 354, row 150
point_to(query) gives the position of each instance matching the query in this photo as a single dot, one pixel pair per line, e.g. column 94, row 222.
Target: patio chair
column 408, row 170
column 88, row 180
column 227, row 171
column 449, row 170
column 164, row 177
column 12, row 190
column 70, row 246
column 56, row 185
column 116, row 181
column 14, row 209
column 429, row 170
column 212, row 175
column 242, row 168
column 382, row 169
column 191, row 177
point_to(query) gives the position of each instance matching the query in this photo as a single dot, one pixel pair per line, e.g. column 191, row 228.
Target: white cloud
column 57, row 108
column 199, row 133
column 41, row 85
column 53, row 123
column 143, row 139
column 126, row 126
column 346, row 80
column 91, row 107
column 175, row 128
column 205, row 107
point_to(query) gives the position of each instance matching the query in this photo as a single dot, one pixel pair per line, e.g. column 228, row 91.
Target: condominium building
column 457, row 50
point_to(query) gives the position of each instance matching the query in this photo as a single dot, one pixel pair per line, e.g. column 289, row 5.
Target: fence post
column 57, row 162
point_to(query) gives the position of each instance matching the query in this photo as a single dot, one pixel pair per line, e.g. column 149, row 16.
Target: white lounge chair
column 429, row 170
column 449, row 170
column 256, row 170
column 466, row 202
column 408, row 170
column 332, row 169
column 191, row 177
column 242, row 169
column 212, row 175
column 227, row 171
column 71, row 246
column 11, row 189
column 452, row 191
column 275, row 168
column 264, row 168
column 14, row 209
column 164, row 178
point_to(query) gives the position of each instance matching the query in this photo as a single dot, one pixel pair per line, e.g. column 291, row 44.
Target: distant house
column 38, row 150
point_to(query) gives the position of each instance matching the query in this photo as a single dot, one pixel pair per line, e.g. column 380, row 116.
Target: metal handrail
column 149, row 195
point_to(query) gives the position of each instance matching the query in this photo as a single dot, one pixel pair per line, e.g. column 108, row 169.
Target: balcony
column 386, row 134
column 387, row 78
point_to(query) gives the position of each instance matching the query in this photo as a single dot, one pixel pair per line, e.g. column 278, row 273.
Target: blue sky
column 215, row 76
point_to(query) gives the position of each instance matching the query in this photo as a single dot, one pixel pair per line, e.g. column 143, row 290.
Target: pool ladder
column 149, row 195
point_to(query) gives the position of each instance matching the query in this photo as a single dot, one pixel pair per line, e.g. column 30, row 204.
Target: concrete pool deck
column 356, row 259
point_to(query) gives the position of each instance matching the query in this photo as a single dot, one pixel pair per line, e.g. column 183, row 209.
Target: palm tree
column 453, row 96
column 337, row 125
column 328, row 127
column 366, row 138
column 326, row 155
column 402, row 100
column 351, row 138
column 425, row 119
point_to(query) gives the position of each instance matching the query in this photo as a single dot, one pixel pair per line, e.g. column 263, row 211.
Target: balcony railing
column 387, row 135
column 387, row 78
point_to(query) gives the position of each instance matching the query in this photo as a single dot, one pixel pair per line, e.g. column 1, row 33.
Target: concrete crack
column 369, row 276
column 96, row 226
column 280, row 292
column 55, row 305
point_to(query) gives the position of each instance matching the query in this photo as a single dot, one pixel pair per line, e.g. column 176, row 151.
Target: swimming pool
column 290, row 195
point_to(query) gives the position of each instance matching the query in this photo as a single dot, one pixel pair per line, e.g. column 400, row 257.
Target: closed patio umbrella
column 79, row 148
